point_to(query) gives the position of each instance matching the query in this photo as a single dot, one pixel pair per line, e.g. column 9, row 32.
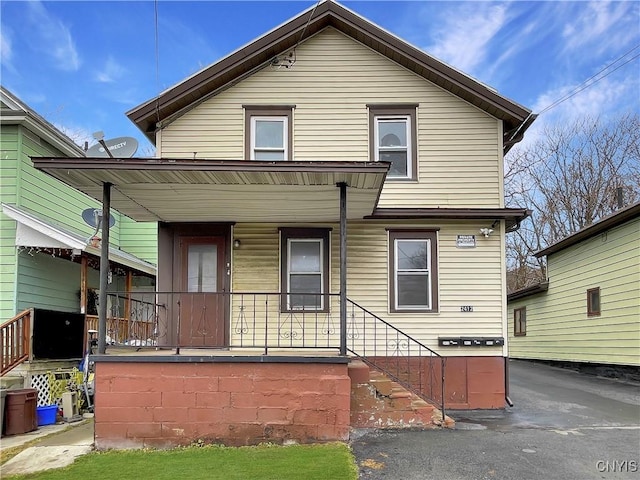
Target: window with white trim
column 269, row 138
column 413, row 282
column 393, row 139
column 268, row 132
column 305, row 269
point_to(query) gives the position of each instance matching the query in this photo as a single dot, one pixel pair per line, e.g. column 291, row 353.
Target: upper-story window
column 268, row 132
column 393, row 139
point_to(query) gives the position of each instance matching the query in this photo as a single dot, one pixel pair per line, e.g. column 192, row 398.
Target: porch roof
column 185, row 190
column 33, row 231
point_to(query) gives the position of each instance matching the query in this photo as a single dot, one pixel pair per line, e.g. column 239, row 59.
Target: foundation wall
column 169, row 404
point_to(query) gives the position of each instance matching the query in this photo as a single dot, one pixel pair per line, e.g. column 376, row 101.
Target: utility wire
column 595, row 77
column 157, row 54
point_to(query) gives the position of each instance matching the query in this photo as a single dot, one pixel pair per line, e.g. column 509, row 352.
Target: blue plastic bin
column 47, row 415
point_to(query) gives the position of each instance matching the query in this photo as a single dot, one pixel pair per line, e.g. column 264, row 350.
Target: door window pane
column 202, row 268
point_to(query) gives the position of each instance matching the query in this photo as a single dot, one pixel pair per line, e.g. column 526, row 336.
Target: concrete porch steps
column 379, row 402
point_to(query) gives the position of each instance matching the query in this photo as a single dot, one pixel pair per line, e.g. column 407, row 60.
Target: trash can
column 20, row 411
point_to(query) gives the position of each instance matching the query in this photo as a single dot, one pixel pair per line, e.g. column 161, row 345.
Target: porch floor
column 231, row 354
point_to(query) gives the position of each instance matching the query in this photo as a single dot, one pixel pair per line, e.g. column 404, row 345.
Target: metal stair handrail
column 398, row 355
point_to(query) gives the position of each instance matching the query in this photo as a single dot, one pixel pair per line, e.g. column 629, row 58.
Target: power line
column 157, row 54
column 588, row 82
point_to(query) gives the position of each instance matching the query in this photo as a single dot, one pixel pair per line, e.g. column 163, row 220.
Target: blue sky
column 82, row 65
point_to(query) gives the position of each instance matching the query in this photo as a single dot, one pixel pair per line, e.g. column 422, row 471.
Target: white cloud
column 610, row 96
column 111, row 71
column 601, row 25
column 6, row 51
column 463, row 38
column 54, row 38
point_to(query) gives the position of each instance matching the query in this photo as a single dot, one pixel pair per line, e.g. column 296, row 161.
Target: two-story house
column 324, row 192
column 587, row 313
column 49, row 266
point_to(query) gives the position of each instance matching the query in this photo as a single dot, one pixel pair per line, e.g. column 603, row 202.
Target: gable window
column 593, row 302
column 268, row 133
column 304, row 269
column 413, row 279
column 520, row 322
column 393, row 139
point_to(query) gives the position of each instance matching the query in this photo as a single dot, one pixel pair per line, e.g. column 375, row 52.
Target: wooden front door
column 204, row 300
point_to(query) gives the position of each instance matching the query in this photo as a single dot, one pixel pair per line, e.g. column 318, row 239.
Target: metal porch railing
column 398, row 355
column 15, row 341
column 266, row 321
column 258, row 320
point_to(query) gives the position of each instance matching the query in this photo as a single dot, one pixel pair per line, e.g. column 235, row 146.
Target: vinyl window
column 413, row 282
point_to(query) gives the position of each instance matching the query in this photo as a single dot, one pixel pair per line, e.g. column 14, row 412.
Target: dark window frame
column 251, row 111
column 520, row 324
column 591, row 310
column 414, row 234
column 390, row 111
column 301, row 233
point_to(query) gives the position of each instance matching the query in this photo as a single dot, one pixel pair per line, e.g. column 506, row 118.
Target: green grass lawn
column 332, row 461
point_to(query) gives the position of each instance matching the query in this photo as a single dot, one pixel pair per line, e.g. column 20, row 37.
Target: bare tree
column 569, row 180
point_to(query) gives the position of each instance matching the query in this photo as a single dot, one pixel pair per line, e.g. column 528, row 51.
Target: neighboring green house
column 588, row 311
column 44, row 242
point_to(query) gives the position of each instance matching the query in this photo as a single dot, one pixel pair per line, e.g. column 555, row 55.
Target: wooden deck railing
column 124, row 331
column 15, row 341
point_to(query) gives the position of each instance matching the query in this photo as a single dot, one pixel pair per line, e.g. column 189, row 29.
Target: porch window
column 413, row 282
column 593, row 302
column 268, row 133
column 520, row 322
column 393, row 139
column 304, row 269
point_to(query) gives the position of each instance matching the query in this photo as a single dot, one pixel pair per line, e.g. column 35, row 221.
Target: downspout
column 343, row 268
column 104, row 268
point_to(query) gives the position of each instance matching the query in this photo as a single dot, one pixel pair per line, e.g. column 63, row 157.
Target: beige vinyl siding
column 331, row 84
column 558, row 327
column 466, row 277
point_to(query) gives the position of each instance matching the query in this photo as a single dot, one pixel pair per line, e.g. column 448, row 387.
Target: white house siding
column 332, row 81
column 558, row 327
column 466, row 277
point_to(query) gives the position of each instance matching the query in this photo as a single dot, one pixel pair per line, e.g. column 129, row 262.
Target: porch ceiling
column 182, row 190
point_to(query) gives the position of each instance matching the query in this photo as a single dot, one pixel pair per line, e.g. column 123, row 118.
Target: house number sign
column 466, row 308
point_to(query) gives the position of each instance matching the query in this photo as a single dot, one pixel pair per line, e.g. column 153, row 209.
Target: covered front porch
column 251, row 340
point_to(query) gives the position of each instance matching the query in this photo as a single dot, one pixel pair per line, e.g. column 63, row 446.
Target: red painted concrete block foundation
column 169, row 404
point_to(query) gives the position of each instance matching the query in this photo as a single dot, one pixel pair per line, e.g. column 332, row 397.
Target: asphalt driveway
column 564, row 425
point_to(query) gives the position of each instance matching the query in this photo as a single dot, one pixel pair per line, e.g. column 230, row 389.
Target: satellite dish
column 93, row 217
column 120, row 147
